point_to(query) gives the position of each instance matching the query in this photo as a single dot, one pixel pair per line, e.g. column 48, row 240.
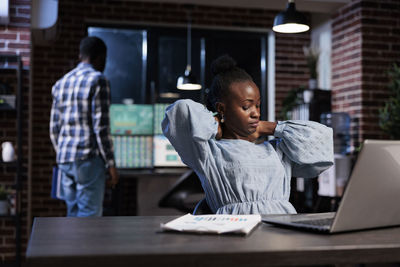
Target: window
column 144, row 64
column 126, row 62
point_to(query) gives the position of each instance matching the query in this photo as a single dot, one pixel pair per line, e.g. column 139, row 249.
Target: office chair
column 186, row 195
column 202, row 208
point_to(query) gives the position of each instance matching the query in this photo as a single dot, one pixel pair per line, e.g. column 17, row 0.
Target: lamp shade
column 188, row 81
column 290, row 20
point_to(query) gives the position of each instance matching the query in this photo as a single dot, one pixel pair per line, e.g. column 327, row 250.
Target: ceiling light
column 290, row 20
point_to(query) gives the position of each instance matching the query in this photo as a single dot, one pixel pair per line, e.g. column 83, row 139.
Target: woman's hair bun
column 222, row 64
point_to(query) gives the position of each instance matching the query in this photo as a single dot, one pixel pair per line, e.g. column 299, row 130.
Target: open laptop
column 371, row 198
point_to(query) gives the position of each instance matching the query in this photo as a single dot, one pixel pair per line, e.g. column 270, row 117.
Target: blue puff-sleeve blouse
column 242, row 177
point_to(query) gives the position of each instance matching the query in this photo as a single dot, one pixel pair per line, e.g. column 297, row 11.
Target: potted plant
column 3, row 200
column 389, row 115
column 312, row 55
column 293, row 98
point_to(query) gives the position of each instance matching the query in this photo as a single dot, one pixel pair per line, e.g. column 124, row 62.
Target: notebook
column 371, row 198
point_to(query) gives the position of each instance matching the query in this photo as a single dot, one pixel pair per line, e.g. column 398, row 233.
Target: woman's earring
column 222, row 118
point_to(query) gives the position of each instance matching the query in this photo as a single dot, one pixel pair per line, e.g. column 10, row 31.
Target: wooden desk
column 149, row 172
column 137, row 241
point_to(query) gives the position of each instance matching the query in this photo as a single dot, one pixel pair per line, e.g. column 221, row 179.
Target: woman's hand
column 264, row 128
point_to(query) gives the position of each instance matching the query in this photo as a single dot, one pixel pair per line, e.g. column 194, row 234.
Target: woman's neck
column 226, row 134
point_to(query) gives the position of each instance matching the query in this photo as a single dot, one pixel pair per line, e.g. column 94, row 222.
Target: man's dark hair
column 225, row 73
column 91, row 47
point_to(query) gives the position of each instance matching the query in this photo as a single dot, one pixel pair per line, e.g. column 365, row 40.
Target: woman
column 240, row 173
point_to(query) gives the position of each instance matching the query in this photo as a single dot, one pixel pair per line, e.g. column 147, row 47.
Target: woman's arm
column 188, row 126
column 307, row 144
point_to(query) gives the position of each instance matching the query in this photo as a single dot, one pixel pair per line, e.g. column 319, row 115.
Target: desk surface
column 137, row 241
column 153, row 172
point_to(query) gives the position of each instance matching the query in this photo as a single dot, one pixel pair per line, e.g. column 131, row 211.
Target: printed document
column 213, row 223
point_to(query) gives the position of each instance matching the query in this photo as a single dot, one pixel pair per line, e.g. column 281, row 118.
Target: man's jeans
column 83, row 185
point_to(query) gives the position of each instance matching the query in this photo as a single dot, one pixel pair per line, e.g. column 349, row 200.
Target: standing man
column 79, row 131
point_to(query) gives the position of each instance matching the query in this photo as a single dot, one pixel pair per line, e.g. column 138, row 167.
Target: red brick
column 24, row 11
column 8, row 36
column 21, row 20
column 20, row 2
column 18, row 45
column 25, row 37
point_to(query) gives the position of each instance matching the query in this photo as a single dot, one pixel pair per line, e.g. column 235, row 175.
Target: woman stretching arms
column 239, row 171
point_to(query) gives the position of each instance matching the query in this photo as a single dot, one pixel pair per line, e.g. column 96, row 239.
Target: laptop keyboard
column 317, row 222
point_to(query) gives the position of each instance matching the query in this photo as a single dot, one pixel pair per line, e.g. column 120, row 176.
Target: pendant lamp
column 188, row 81
column 290, row 20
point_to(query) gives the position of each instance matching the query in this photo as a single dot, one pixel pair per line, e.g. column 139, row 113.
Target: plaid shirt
column 79, row 120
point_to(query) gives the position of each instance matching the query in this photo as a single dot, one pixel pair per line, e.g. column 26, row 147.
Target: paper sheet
column 215, row 223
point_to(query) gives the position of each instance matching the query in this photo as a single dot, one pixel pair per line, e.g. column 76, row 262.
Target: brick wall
column 15, row 39
column 365, row 42
column 8, row 132
column 290, row 67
